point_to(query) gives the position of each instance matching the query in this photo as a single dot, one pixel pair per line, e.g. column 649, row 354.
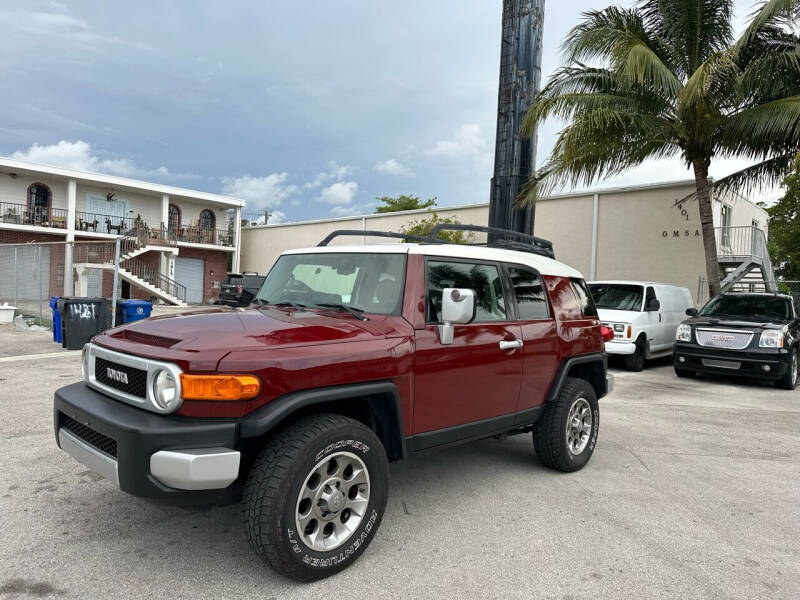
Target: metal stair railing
column 153, row 277
column 746, row 245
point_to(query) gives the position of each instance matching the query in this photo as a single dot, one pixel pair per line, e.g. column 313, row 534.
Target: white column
column 237, row 239
column 595, row 218
column 72, row 194
column 165, row 209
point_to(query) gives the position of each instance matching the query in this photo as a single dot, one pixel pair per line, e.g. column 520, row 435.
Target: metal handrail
column 41, row 216
column 153, row 277
column 746, row 241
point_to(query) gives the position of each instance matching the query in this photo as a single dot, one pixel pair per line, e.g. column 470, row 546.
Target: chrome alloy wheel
column 333, row 501
column 579, row 426
column 794, row 367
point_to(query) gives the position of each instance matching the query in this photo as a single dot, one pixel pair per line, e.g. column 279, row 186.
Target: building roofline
column 124, row 182
column 441, row 209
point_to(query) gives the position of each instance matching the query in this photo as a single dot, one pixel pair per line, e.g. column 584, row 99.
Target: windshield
column 748, row 307
column 371, row 283
column 617, row 296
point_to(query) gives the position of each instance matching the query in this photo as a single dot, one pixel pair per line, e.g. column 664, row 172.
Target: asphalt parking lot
column 693, row 492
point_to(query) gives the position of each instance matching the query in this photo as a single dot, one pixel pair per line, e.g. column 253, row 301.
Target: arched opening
column 39, row 200
column 207, row 219
column 174, row 224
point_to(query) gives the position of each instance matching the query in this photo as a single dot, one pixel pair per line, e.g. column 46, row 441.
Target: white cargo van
column 643, row 315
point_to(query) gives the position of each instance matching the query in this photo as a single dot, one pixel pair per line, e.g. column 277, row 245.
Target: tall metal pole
column 520, row 74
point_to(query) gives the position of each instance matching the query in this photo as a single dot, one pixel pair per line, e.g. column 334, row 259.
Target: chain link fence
column 33, row 272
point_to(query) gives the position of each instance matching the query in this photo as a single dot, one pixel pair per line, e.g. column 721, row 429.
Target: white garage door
column 189, row 273
column 24, row 273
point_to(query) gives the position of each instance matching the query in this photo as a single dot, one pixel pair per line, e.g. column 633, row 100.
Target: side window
column 584, row 298
column 483, row 279
column 529, row 292
column 649, row 294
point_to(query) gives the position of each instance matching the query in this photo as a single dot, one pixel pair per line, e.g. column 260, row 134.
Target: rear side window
column 584, row 298
column 529, row 292
column 485, row 280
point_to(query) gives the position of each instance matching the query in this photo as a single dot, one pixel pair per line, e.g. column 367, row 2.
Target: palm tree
column 671, row 80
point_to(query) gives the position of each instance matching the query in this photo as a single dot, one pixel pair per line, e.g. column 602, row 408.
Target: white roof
column 12, row 165
column 544, row 265
column 626, row 282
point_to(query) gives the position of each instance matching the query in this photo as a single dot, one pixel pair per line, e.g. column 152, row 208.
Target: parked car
column 643, row 315
column 741, row 334
column 239, row 289
column 349, row 357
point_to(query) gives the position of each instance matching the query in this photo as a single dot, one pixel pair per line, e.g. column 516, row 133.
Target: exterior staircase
column 136, row 272
column 744, row 260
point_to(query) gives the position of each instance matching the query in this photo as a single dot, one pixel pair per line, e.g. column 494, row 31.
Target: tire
column 635, row 361
column 684, row 373
column 282, row 493
column 789, row 379
column 551, row 435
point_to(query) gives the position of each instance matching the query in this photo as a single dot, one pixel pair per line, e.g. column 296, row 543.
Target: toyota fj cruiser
column 350, row 357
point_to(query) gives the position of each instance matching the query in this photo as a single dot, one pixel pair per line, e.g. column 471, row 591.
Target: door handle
column 510, row 344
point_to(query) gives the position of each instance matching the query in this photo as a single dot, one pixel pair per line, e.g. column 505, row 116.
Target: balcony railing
column 21, row 214
column 146, row 234
column 746, row 240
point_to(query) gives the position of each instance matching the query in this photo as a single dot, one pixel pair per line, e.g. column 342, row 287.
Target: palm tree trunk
column 707, row 223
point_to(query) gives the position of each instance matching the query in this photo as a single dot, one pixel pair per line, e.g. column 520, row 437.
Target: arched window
column 39, row 197
column 207, row 219
column 174, row 224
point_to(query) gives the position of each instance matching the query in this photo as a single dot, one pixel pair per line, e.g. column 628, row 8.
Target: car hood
column 617, row 316
column 252, row 328
column 734, row 323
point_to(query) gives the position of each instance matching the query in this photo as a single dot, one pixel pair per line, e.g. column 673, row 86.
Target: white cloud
column 341, row 192
column 345, row 211
column 79, row 156
column 262, row 192
column 335, row 172
column 56, row 22
column 467, row 142
column 393, row 166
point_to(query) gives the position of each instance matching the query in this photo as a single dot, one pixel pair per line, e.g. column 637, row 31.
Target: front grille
column 94, row 438
column 724, row 338
column 136, row 378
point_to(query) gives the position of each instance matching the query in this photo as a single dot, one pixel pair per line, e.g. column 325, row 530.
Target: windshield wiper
column 261, row 301
column 358, row 313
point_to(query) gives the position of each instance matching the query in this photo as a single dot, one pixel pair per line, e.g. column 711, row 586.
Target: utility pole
column 520, row 74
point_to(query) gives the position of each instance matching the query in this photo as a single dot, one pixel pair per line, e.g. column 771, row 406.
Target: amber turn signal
column 220, row 387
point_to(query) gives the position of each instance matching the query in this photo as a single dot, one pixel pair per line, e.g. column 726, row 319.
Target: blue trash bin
column 56, row 319
column 135, row 310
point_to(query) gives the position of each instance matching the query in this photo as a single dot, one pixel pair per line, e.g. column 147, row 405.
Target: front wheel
column 635, row 361
column 315, row 496
column 789, row 379
column 566, row 434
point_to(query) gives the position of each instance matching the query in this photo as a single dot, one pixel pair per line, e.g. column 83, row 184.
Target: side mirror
column 653, row 305
column 691, row 312
column 458, row 307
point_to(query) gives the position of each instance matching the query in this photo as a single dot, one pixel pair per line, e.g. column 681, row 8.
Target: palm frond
column 757, row 177
column 770, row 12
column 775, row 123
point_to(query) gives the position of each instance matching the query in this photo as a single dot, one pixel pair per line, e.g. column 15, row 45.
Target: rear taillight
column 607, row 333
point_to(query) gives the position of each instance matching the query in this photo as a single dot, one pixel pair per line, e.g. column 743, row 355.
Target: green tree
column 784, row 228
column 670, row 80
column 424, row 226
column 403, row 202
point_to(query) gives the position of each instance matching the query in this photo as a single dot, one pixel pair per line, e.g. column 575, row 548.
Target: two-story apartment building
column 176, row 244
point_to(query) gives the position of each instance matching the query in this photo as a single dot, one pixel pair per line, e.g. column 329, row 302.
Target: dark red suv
column 350, row 357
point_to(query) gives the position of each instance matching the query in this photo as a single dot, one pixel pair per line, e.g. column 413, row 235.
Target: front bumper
column 172, row 459
column 620, row 347
column 757, row 363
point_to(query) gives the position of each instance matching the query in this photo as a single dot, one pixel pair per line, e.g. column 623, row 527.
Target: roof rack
column 522, row 242
column 368, row 233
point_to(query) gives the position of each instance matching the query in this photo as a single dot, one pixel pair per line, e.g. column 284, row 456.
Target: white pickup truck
column 644, row 316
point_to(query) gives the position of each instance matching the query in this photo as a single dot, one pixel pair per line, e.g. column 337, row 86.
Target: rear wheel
column 565, row 436
column 789, row 379
column 315, row 496
column 635, row 361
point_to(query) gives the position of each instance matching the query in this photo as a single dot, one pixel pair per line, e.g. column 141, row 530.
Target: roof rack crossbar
column 522, row 241
column 369, row 233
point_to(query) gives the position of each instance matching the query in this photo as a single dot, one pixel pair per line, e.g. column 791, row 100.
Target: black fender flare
column 567, row 365
column 381, row 395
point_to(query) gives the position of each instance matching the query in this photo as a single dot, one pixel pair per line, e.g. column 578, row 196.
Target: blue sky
column 311, row 109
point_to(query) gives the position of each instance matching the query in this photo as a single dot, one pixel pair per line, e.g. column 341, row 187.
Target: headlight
column 85, row 364
column 771, row 339
column 619, row 327
column 684, row 333
column 165, row 390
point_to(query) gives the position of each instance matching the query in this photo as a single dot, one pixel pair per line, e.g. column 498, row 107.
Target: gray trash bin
column 82, row 319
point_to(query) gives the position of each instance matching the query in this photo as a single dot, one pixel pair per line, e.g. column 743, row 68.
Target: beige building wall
column 643, row 233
